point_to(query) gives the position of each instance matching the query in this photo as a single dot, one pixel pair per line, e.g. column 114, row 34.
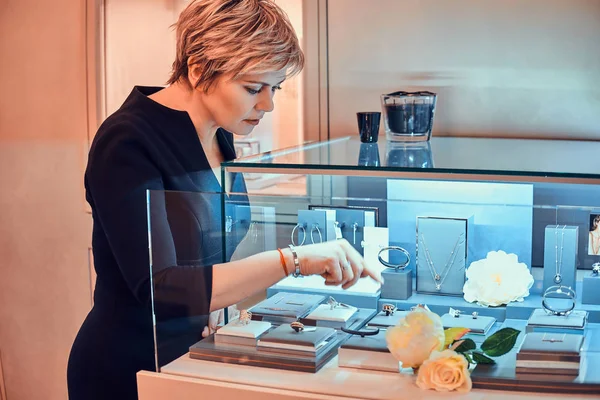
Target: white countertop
column 334, row 381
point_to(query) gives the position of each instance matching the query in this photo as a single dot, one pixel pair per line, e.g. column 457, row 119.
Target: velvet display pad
column 551, row 343
column 252, row 330
column 381, row 320
column 575, row 320
column 338, row 314
column 284, row 304
column 480, row 325
column 284, row 334
column 367, row 343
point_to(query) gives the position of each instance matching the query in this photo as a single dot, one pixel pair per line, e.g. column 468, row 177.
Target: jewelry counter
column 491, row 235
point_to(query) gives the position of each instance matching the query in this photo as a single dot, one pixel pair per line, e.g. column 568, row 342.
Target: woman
column 231, row 58
column 594, row 242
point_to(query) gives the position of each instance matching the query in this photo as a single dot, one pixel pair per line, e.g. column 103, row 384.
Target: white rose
column 497, row 279
column 415, row 337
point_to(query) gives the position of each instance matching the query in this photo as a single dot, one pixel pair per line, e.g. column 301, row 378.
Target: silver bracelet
column 567, row 293
column 390, row 265
column 296, row 272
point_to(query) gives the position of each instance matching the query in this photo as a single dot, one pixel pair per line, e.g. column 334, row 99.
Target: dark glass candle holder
column 408, row 116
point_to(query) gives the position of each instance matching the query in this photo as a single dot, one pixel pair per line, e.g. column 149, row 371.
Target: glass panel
column 539, row 158
column 545, row 225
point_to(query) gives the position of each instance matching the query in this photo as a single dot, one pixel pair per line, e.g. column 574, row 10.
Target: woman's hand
column 336, row 261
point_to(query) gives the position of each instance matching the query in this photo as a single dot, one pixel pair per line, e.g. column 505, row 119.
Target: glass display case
column 490, row 232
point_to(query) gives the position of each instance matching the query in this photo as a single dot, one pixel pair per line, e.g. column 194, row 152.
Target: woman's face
column 238, row 105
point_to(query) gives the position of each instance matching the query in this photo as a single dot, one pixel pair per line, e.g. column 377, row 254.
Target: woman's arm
column 336, row 261
column 236, row 280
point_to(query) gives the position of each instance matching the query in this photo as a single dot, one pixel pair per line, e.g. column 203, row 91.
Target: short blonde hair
column 234, row 37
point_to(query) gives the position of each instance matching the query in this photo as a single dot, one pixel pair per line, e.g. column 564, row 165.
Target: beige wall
column 508, row 68
column 44, row 231
column 140, row 45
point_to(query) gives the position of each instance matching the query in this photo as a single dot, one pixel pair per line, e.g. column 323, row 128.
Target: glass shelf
column 480, row 156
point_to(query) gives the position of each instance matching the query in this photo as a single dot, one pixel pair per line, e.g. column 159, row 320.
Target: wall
column 44, row 230
column 504, row 68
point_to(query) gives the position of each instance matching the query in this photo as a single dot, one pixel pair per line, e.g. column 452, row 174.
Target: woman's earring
column 301, row 226
column 315, row 227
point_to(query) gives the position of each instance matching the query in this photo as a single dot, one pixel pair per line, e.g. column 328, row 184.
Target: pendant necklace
column 438, row 279
column 558, row 276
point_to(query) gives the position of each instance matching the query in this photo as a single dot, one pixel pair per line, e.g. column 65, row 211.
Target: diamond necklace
column 438, row 279
column 558, row 276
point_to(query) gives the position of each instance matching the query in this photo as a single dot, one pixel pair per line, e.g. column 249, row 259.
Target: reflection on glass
column 368, row 155
column 409, row 155
column 594, row 241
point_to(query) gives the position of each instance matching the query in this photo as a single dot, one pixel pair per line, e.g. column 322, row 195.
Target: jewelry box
column 381, row 320
column 285, row 307
column 239, row 333
column 368, row 352
column 284, row 339
column 442, row 254
column 333, row 317
column 477, row 324
column 550, row 354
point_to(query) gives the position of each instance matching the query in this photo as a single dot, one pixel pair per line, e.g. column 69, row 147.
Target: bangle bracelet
column 566, row 293
column 296, row 273
column 390, row 265
column 368, row 332
column 283, row 264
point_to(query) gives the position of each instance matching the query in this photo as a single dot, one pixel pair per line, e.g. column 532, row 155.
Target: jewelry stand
column 442, row 254
column 560, row 255
column 590, row 291
column 397, row 277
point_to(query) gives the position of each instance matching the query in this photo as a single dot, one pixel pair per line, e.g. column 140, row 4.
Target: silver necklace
column 558, row 276
column 438, row 279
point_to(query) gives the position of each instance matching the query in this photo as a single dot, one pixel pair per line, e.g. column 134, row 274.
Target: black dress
column 147, row 171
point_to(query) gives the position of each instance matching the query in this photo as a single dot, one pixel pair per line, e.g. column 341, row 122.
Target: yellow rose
column 445, row 371
column 415, row 337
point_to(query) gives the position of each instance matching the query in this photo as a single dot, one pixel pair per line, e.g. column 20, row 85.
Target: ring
column 388, row 309
column 245, row 317
column 596, row 268
column 298, row 327
column 347, row 265
column 333, row 303
column 394, row 266
column 564, row 291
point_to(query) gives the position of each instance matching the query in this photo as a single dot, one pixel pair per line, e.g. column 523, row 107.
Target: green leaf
column 500, row 342
column 482, row 359
column 466, row 345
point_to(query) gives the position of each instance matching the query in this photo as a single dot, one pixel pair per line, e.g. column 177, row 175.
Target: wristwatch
column 296, row 273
